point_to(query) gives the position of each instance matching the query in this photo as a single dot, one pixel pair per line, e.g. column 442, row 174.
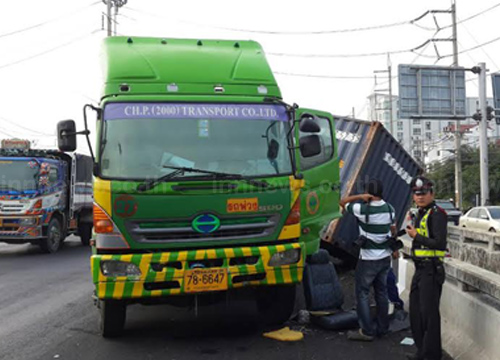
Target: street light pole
column 458, row 135
column 483, row 136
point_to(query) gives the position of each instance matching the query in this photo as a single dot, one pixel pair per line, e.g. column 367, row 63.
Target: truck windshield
column 141, row 141
column 17, row 175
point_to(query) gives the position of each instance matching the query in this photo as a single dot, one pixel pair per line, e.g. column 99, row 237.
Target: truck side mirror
column 66, row 135
column 308, row 125
column 309, row 146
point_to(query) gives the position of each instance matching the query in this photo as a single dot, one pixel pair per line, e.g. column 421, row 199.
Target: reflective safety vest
column 423, row 230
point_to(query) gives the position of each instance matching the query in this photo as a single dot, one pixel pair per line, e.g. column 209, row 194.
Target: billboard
column 431, row 91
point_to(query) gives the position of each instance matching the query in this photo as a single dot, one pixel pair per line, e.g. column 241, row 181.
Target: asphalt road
column 46, row 312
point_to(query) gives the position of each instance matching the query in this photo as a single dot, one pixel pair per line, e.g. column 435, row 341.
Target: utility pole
column 115, row 20
column 112, row 20
column 483, row 137
column 117, row 4
column 108, row 15
column 389, row 70
column 389, row 89
column 458, row 135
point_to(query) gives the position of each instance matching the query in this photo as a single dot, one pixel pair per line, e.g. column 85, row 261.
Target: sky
column 50, row 50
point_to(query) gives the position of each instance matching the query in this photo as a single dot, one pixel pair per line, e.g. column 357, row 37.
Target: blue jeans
column 392, row 290
column 368, row 273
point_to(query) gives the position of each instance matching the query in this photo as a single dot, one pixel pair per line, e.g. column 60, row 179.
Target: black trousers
column 425, row 295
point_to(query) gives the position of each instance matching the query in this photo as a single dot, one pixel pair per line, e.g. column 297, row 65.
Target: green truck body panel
column 196, row 66
column 153, row 212
column 160, row 226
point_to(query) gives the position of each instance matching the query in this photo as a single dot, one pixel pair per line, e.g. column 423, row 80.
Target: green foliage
column 443, row 174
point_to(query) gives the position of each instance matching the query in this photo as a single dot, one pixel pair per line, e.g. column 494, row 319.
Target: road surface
column 46, row 312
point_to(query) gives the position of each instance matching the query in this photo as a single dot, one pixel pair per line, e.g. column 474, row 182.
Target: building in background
column 428, row 140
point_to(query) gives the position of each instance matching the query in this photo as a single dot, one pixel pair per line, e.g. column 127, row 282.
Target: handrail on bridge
column 474, row 259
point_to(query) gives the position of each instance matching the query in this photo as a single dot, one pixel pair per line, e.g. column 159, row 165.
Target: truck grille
column 180, row 230
column 7, row 209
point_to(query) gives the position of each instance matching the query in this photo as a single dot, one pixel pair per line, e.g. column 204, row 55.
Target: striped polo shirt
column 378, row 227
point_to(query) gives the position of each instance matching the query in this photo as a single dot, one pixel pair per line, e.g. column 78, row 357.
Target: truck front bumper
column 164, row 274
column 20, row 229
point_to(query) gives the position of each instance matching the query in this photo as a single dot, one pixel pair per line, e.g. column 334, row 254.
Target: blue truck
column 45, row 195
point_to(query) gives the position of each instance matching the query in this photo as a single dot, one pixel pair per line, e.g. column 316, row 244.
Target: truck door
column 320, row 196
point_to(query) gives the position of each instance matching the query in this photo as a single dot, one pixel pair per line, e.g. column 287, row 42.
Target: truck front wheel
column 54, row 237
column 113, row 314
column 275, row 304
column 85, row 232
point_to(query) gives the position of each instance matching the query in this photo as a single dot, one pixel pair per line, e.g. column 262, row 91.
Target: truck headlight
column 27, row 221
column 287, row 257
column 119, row 268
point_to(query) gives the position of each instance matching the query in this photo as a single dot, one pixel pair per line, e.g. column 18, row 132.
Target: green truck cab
column 205, row 180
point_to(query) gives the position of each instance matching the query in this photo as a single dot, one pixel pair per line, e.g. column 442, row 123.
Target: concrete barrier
column 475, row 247
column 470, row 307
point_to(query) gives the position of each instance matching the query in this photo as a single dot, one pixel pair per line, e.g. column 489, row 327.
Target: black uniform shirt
column 437, row 228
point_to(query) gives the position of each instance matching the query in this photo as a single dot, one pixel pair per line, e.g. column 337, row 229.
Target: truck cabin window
column 139, row 140
column 325, row 137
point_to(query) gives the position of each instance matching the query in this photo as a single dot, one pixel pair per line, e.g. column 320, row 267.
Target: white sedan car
column 486, row 218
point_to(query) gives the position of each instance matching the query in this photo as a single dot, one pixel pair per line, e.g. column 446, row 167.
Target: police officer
column 428, row 231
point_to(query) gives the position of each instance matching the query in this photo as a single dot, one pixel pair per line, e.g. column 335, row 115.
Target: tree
column 443, row 174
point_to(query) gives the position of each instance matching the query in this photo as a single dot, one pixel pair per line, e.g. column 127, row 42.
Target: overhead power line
column 474, row 47
column 3, row 131
column 381, row 53
column 324, row 76
column 25, row 128
column 373, row 54
column 18, row 31
column 473, row 16
column 319, row 32
column 72, row 41
column 477, row 42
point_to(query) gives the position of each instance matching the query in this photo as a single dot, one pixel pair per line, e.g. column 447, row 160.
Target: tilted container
column 366, row 151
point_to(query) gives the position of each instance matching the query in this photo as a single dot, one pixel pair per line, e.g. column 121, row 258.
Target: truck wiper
column 149, row 184
column 220, row 175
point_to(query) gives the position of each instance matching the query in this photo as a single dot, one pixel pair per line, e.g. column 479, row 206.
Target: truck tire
column 275, row 303
column 54, row 237
column 112, row 320
column 85, row 232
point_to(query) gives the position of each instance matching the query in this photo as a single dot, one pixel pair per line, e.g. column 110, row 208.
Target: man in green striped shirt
column 375, row 219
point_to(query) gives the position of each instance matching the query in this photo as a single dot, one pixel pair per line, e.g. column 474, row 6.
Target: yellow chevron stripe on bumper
column 162, row 274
